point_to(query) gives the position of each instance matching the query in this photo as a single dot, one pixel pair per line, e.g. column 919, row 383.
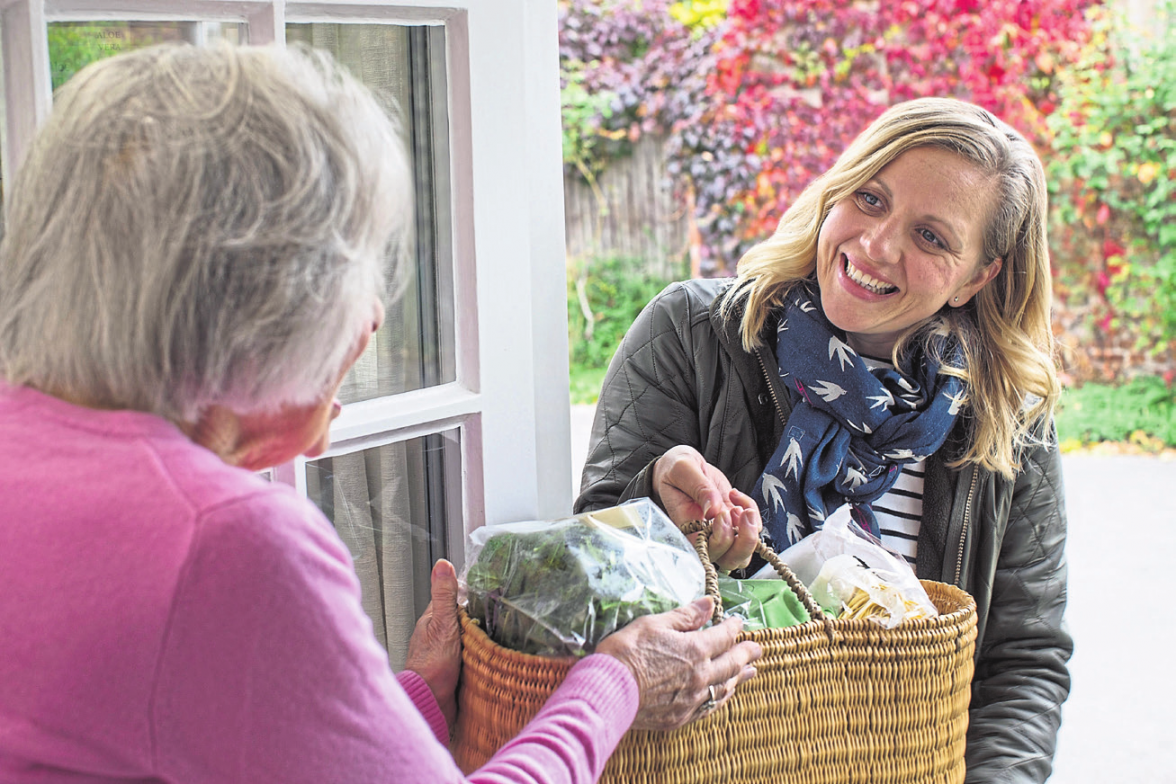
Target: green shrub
column 584, row 384
column 604, row 297
column 1142, row 411
column 1112, row 180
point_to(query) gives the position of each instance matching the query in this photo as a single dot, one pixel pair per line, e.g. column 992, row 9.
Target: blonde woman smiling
column 889, row 347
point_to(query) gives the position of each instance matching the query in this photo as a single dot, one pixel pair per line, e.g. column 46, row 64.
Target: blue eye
column 930, row 237
column 869, row 199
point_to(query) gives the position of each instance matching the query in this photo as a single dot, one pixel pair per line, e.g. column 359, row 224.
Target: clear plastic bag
column 558, row 588
column 851, row 574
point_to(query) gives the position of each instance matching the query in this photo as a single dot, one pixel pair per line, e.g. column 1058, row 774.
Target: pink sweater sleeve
column 426, row 704
column 270, row 672
column 575, row 733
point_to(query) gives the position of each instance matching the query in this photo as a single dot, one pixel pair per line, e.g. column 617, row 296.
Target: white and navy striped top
column 900, row 511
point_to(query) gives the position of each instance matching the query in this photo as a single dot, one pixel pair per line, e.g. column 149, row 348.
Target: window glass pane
column 405, row 65
column 74, row 45
column 395, row 507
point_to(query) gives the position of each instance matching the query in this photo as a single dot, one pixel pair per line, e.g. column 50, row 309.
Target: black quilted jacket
column 682, row 377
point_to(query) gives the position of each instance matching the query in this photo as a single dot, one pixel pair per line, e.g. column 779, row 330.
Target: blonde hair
column 1005, row 333
column 200, row 226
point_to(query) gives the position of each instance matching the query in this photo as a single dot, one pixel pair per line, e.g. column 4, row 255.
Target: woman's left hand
column 690, row 488
column 434, row 650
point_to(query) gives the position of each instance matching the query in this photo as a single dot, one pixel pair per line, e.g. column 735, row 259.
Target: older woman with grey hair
column 195, row 255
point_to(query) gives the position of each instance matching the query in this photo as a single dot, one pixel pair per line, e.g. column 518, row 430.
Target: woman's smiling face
column 904, row 244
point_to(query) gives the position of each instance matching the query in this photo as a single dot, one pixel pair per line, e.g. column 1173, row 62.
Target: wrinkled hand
column 692, row 489
column 434, row 650
column 676, row 663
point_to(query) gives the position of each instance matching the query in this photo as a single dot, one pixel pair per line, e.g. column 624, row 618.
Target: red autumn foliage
column 795, row 80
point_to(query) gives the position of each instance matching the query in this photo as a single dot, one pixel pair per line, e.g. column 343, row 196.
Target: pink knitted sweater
column 165, row 617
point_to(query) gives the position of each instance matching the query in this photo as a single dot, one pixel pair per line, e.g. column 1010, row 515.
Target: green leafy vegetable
column 557, row 589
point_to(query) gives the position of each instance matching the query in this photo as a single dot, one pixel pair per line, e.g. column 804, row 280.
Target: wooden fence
column 633, row 214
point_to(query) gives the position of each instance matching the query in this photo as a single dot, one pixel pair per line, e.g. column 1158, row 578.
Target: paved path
column 1120, row 722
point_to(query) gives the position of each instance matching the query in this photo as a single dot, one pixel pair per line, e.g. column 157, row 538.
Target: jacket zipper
column 967, row 522
column 771, row 389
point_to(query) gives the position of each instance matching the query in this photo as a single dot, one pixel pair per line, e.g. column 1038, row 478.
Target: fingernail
column 706, row 506
column 749, row 672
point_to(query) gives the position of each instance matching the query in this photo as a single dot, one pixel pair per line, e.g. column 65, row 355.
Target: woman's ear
column 982, row 278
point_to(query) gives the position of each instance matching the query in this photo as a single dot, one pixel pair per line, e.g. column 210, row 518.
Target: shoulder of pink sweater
column 271, row 541
column 206, row 481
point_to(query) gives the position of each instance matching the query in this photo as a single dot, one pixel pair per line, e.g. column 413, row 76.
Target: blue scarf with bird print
column 851, row 428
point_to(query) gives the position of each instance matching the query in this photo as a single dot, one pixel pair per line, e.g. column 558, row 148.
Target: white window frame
column 510, row 396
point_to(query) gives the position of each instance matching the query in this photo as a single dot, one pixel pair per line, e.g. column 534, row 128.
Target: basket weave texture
column 834, row 702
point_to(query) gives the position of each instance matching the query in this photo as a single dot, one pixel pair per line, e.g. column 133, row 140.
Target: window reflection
column 74, row 45
column 415, row 348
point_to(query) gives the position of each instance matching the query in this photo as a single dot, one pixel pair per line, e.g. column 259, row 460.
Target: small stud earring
column 957, row 299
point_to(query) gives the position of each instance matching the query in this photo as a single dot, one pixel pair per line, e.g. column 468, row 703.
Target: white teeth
column 866, row 281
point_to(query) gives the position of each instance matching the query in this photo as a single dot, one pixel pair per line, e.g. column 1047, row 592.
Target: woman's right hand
column 689, row 488
column 679, row 665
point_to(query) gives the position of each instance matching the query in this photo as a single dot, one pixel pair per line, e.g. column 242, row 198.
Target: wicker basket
column 835, row 702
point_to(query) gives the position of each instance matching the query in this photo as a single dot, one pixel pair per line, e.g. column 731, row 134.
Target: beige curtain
column 366, row 497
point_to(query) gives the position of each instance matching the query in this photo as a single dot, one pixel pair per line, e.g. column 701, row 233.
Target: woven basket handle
column 712, row 576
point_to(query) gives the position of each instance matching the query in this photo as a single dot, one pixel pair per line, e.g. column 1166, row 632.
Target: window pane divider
column 406, row 433
column 420, row 407
column 361, row 11
column 157, row 10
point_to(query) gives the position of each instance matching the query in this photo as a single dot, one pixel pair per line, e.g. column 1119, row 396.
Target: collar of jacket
column 949, row 495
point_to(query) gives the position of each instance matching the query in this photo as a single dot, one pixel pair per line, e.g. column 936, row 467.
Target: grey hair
column 199, row 226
